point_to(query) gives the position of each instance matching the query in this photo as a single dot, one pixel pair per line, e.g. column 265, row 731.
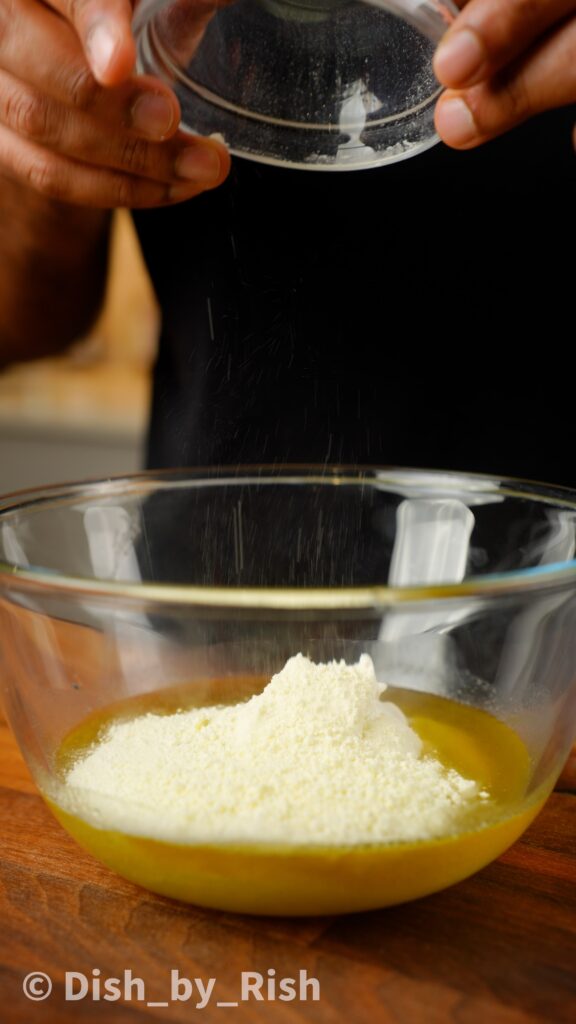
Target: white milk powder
column 317, row 757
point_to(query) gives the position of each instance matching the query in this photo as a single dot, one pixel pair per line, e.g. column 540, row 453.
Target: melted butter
column 306, row 879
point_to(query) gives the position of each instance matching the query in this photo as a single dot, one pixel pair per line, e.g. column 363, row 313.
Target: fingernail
column 199, row 163
column 152, row 116
column 454, row 122
column 459, row 57
column 101, row 44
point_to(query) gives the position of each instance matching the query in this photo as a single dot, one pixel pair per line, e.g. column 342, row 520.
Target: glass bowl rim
column 290, row 598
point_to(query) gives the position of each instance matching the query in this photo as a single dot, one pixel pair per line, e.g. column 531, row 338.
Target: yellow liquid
column 306, row 879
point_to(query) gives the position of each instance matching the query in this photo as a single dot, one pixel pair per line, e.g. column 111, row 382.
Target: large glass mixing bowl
column 166, row 592
column 317, row 84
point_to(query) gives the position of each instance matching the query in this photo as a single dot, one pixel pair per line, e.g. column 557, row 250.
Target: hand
column 76, row 125
column 503, row 61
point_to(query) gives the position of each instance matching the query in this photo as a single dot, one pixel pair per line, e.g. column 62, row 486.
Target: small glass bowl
column 130, row 593
column 314, row 84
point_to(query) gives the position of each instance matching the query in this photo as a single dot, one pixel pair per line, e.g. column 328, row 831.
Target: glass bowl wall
column 461, row 587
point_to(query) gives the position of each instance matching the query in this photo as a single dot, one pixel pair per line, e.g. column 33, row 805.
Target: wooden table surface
column 499, row 948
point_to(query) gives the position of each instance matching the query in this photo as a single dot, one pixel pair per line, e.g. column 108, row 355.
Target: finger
column 65, row 180
column 543, row 80
column 46, row 50
column 489, row 34
column 104, row 28
column 74, row 134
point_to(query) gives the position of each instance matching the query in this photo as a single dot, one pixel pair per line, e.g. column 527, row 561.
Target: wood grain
column 499, row 948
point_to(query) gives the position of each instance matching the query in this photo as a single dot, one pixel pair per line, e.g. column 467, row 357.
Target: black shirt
column 418, row 314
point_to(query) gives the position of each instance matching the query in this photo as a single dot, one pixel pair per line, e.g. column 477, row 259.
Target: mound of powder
column 318, row 757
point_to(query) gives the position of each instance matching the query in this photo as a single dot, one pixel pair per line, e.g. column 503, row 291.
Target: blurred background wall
column 85, row 413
